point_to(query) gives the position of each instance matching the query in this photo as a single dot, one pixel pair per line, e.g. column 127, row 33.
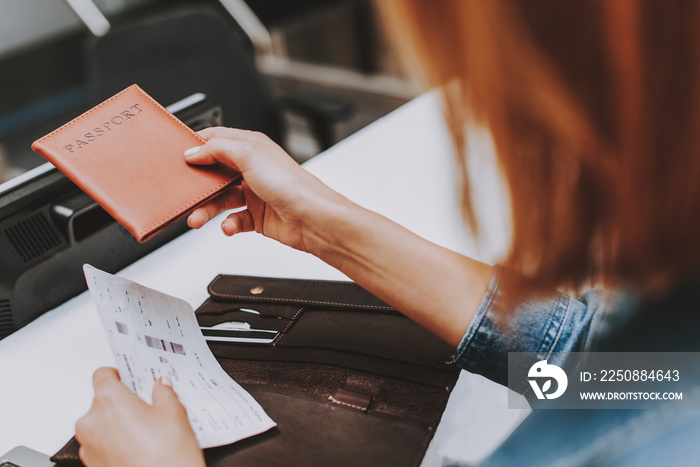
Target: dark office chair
column 360, row 48
column 196, row 49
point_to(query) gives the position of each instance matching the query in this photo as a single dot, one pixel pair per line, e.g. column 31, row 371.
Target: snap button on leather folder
column 127, row 154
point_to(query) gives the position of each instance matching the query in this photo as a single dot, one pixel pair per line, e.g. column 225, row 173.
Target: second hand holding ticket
column 151, row 335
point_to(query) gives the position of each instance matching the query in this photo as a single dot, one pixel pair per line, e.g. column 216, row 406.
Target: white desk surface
column 401, row 166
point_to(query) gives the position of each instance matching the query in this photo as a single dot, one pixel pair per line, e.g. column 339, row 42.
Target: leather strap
column 310, row 293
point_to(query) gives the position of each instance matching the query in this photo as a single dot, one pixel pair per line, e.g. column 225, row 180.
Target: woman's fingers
column 164, row 395
column 231, row 198
column 256, row 208
column 230, row 152
column 105, row 376
column 233, row 133
column 238, row 222
column 109, row 392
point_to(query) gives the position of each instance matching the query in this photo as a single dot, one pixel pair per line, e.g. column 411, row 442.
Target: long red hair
column 594, row 109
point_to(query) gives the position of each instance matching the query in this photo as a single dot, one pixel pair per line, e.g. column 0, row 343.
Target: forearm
column 436, row 287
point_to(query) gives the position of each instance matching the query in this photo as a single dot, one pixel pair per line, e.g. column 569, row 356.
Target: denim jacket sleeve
column 549, row 323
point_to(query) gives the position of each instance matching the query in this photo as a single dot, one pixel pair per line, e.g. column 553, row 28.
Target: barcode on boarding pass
column 164, row 345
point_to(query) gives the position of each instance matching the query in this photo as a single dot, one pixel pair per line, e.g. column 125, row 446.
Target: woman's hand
column 120, row 429
column 280, row 198
column 436, row 287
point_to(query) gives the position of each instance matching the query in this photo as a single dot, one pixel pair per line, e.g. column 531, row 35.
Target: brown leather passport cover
column 127, row 154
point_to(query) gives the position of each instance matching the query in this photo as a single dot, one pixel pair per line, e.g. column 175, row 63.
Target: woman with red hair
column 594, row 109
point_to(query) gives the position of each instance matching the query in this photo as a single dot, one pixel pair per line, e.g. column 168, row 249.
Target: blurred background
column 307, row 72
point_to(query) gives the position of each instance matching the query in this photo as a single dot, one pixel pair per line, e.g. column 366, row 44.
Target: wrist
column 342, row 231
column 327, row 225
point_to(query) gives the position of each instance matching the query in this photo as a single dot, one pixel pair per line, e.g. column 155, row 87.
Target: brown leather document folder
column 349, row 380
column 127, row 154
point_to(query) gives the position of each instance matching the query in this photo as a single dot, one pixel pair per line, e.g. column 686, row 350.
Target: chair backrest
column 182, row 52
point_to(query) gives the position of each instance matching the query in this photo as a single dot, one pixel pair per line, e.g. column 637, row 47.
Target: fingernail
column 166, row 381
column 192, row 151
column 195, row 220
column 228, row 227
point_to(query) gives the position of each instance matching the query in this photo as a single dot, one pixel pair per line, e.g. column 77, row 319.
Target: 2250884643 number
column 639, row 375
